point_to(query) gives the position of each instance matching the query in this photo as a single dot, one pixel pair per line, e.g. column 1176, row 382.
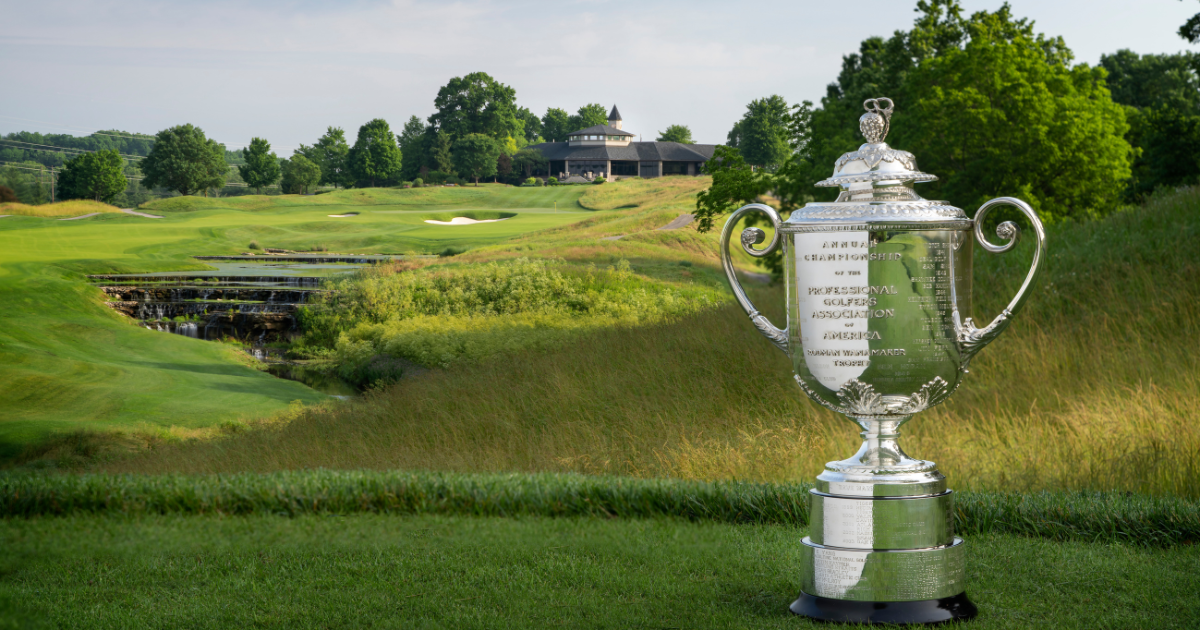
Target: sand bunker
column 464, row 221
column 343, row 216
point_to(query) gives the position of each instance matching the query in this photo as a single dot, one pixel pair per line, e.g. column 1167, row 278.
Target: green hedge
column 1090, row 516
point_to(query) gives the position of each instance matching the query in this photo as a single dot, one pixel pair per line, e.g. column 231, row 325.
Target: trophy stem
column 880, row 452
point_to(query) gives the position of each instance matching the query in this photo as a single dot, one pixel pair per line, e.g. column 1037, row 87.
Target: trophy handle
column 753, row 236
column 971, row 339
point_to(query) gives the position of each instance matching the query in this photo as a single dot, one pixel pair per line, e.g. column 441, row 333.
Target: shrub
column 418, row 182
column 7, row 195
column 599, row 180
column 439, row 316
column 253, row 245
column 532, row 181
column 452, row 251
column 552, row 181
column 436, row 178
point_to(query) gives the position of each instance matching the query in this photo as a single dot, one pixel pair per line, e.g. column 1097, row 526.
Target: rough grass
column 1088, row 516
column 1091, row 388
column 72, row 208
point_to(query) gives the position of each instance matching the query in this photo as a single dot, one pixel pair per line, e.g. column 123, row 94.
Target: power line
column 98, row 133
column 50, row 146
column 52, row 171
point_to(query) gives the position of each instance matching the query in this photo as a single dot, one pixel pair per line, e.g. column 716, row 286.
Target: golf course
column 586, row 433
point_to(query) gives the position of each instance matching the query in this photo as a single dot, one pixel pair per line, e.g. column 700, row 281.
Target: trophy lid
column 876, row 181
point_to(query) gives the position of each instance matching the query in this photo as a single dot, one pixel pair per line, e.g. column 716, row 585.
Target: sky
column 286, row 71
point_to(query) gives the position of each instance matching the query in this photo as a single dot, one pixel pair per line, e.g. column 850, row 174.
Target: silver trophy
column 878, row 283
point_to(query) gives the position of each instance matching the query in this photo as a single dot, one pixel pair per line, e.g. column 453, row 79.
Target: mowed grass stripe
column 1087, row 516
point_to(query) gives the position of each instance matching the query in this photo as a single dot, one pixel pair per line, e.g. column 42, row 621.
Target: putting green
column 67, row 362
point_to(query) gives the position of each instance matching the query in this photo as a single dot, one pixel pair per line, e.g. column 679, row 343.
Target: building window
column 625, row 168
column 675, row 168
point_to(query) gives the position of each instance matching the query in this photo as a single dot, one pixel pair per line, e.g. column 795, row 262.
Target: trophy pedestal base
column 929, row 611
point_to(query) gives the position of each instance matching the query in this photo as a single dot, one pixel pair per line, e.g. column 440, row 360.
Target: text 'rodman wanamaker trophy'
column 878, row 288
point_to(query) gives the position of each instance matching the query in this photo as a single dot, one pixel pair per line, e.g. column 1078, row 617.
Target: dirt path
column 82, row 216
column 679, row 221
column 140, row 214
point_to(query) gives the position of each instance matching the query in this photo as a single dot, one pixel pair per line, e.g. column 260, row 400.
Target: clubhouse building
column 609, row 151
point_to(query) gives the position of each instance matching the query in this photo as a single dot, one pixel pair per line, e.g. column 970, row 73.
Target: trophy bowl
column 878, row 283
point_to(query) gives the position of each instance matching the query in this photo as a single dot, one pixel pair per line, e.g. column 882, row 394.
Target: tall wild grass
column 1094, row 387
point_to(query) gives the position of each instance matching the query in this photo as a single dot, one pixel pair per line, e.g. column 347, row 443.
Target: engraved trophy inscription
column 878, row 288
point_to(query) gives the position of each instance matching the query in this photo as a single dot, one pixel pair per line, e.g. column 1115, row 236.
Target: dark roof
column 614, row 114
column 643, row 151
column 600, row 130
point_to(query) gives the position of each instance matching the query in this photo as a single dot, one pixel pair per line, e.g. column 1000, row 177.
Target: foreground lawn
column 373, row 571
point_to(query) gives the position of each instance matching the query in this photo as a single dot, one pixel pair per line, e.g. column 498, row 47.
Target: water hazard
column 252, row 299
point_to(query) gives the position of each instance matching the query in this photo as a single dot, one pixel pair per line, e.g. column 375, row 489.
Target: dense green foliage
column 375, row 155
column 1161, row 94
column 676, row 133
column 476, row 103
column 98, row 176
column 412, row 148
column 437, row 317
column 985, row 103
column 299, row 174
column 1086, row 516
column 762, row 135
column 183, row 159
column 589, row 115
column 330, row 154
column 526, row 161
column 474, row 156
column 556, row 125
column 262, row 166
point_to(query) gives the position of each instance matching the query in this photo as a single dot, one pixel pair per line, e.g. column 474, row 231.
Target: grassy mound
column 72, row 208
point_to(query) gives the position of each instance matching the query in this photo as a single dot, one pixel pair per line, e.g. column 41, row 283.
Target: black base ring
column 928, row 611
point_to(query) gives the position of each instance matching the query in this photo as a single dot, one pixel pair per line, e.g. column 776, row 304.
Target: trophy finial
column 875, row 123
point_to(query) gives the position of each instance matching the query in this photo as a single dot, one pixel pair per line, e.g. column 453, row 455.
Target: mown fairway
column 368, row 571
column 68, row 363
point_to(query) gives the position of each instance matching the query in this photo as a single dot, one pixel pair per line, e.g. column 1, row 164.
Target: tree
column 299, row 173
column 589, row 115
column 1161, row 95
column 476, row 103
column 1006, row 114
column 441, row 156
column 183, row 159
column 330, row 154
column 262, row 166
column 528, row 161
column 475, row 156
column 533, row 125
column 1191, row 29
column 7, row 195
column 763, row 132
column 1013, row 117
column 554, row 125
column 504, row 165
column 99, row 176
column 412, row 148
column 676, row 133
column 375, row 154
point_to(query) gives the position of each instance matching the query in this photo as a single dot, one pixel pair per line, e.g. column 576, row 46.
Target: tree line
column 992, row 108
column 477, row 132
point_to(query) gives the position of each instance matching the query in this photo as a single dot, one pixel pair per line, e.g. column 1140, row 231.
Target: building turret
column 614, row 118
